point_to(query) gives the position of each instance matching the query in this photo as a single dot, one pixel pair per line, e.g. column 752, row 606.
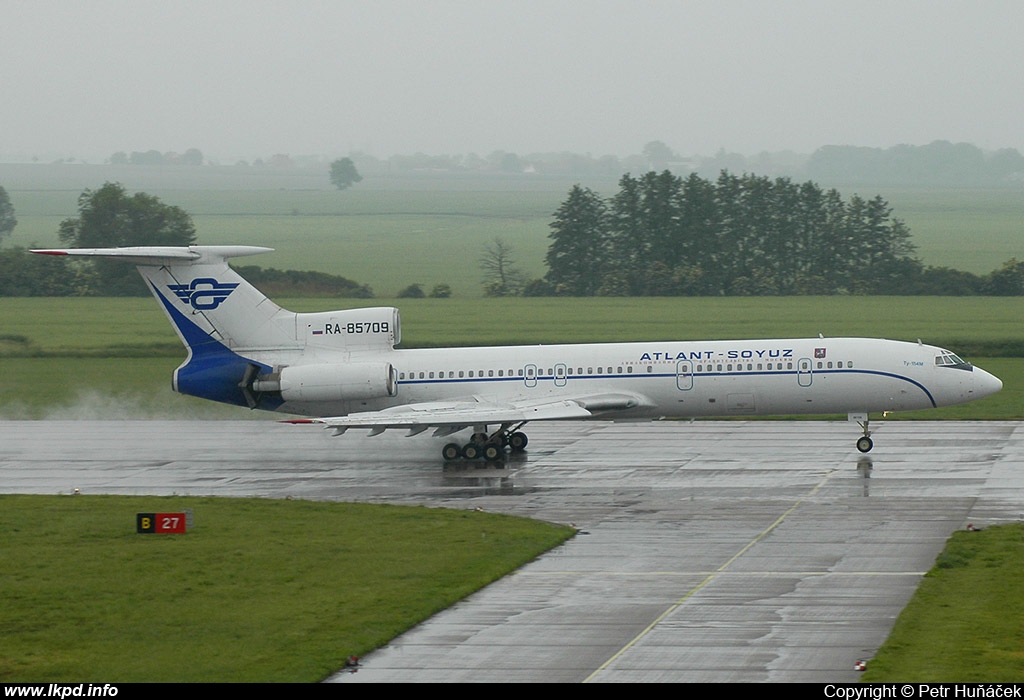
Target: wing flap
column 451, row 416
column 462, row 414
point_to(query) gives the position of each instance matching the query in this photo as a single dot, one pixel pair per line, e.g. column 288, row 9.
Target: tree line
column 661, row 234
column 665, row 235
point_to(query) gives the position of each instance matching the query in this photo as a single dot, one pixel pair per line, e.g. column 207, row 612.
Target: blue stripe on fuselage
column 663, row 375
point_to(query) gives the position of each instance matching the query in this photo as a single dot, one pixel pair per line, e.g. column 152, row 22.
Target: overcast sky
column 245, row 78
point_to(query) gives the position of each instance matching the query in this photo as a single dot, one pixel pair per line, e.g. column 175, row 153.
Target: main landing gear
column 864, row 443
column 490, row 447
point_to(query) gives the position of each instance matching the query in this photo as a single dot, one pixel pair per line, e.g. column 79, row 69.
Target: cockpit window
column 947, row 359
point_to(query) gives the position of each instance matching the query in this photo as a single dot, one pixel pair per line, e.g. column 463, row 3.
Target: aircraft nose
column 985, row 384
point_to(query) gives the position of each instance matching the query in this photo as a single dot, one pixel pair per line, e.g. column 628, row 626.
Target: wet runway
column 709, row 551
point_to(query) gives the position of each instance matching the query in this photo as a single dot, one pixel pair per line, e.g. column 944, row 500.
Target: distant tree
column 577, row 256
column 1007, row 281
column 150, row 157
column 304, row 283
column 23, row 274
column 192, row 156
column 413, row 291
column 538, row 288
column 7, row 220
column 110, row 217
column 344, row 173
column 945, row 281
column 441, row 291
column 658, row 155
column 1006, row 164
column 501, row 276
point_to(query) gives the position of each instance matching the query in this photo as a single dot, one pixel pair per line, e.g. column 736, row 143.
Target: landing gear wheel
column 865, row 444
column 450, row 452
column 478, row 438
column 493, row 452
column 517, row 441
column 471, row 451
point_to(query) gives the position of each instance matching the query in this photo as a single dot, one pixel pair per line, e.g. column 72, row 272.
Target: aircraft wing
column 449, row 417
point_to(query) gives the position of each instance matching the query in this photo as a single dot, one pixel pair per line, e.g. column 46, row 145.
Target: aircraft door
column 805, row 372
column 530, row 375
column 561, row 372
column 684, row 375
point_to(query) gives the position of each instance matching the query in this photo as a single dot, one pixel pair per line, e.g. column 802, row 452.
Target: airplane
column 343, row 367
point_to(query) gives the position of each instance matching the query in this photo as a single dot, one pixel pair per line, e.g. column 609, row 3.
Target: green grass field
column 973, row 326
column 432, row 228
column 966, row 620
column 257, row 591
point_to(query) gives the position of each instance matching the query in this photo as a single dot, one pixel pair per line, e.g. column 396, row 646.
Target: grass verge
column 965, row 623
column 257, row 591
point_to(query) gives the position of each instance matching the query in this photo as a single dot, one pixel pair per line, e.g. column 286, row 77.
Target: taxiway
column 708, row 551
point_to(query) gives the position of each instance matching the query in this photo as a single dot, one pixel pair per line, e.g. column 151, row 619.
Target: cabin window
column 629, row 370
column 649, row 369
column 401, row 375
column 758, row 366
column 490, row 373
column 421, row 375
column 461, row 372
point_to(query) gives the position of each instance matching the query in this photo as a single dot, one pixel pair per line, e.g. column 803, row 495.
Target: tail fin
column 238, row 340
column 203, row 297
column 216, row 313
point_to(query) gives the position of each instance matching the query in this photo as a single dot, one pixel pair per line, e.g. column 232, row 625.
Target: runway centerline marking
column 711, row 577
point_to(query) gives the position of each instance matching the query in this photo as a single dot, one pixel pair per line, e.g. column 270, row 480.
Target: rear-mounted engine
column 333, row 382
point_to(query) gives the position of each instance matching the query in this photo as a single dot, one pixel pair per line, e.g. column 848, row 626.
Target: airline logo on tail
column 203, row 293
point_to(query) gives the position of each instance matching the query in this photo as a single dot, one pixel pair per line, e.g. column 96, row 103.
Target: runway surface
column 708, row 551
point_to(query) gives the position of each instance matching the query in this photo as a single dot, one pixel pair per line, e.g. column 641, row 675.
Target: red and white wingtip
column 301, row 421
column 49, row 252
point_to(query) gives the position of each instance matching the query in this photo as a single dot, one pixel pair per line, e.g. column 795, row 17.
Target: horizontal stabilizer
column 163, row 255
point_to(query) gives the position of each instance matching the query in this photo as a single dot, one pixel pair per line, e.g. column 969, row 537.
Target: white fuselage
column 707, row 378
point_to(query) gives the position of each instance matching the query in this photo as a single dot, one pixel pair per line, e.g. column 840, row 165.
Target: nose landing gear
column 864, row 443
